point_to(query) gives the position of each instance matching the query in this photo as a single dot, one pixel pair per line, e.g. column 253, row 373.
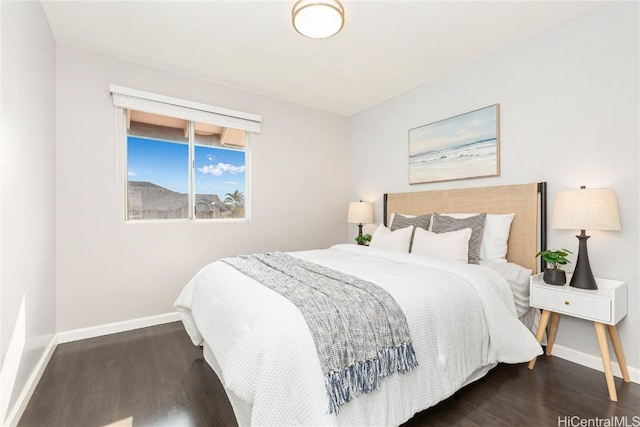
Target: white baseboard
column 14, row 415
column 114, row 328
column 593, row 362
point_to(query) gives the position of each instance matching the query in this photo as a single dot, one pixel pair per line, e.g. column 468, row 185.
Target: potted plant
column 555, row 259
column 365, row 239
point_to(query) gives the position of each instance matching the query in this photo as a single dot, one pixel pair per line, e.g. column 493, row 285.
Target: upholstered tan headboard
column 527, row 201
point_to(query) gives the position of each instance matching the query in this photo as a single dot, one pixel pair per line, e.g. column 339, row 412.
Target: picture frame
column 460, row 147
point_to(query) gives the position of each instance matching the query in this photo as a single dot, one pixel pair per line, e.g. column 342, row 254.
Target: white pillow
column 398, row 240
column 494, row 236
column 453, row 245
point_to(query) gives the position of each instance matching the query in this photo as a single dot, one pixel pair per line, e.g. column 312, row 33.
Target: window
column 184, row 162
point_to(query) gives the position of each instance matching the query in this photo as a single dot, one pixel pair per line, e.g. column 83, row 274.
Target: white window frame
column 132, row 99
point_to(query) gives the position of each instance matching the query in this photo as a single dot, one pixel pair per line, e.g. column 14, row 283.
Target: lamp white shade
column 360, row 213
column 586, row 209
column 318, row 19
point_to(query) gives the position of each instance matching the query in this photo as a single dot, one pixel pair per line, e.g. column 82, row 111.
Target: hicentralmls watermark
column 614, row 421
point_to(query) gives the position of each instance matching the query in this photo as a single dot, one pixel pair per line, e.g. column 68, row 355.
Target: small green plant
column 556, row 258
column 364, row 239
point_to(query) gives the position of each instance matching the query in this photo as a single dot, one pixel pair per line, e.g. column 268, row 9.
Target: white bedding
column 461, row 317
column 518, row 279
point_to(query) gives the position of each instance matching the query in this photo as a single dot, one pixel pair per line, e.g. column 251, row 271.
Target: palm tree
column 234, row 199
column 235, row 203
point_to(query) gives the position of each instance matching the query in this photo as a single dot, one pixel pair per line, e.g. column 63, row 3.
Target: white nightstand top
column 607, row 304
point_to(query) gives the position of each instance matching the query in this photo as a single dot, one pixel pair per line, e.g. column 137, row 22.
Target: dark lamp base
column 582, row 277
column 583, row 283
column 360, row 242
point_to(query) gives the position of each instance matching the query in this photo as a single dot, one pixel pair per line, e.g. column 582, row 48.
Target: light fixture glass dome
column 318, row 19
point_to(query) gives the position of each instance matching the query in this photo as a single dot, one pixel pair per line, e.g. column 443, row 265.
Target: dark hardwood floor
column 156, row 377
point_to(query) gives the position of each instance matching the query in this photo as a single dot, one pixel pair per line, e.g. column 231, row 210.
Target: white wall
column 110, row 271
column 27, row 198
column 569, row 101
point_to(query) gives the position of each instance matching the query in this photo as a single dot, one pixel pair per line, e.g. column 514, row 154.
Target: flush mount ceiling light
column 318, row 19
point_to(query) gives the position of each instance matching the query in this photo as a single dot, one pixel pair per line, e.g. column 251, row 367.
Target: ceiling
column 384, row 49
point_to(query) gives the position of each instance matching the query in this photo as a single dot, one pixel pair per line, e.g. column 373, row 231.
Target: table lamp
column 585, row 209
column 360, row 213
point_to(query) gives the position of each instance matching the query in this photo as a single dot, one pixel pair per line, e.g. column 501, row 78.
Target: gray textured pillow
column 401, row 221
column 443, row 224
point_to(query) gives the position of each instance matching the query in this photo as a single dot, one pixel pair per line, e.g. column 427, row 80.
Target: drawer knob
column 567, row 303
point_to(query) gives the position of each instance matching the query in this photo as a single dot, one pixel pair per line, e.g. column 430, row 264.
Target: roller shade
column 132, row 99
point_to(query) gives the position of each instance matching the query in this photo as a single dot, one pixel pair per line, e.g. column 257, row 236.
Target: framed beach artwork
column 460, row 147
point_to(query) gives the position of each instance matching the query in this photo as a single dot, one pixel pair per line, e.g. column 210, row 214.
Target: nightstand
column 604, row 306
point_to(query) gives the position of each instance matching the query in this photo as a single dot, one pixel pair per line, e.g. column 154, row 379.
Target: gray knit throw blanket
column 360, row 331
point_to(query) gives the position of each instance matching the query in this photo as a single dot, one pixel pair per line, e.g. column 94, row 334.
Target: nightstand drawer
column 573, row 304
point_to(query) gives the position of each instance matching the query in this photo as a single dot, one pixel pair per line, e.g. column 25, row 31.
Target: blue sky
column 218, row 171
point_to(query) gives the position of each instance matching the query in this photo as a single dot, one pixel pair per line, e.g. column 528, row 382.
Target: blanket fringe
column 365, row 376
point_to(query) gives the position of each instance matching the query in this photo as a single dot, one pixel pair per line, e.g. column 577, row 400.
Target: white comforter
column 461, row 317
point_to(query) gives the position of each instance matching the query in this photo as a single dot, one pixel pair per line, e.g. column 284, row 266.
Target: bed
column 463, row 318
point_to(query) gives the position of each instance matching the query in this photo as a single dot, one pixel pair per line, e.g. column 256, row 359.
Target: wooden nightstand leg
column 551, row 338
column 617, row 347
column 544, row 319
column 606, row 360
